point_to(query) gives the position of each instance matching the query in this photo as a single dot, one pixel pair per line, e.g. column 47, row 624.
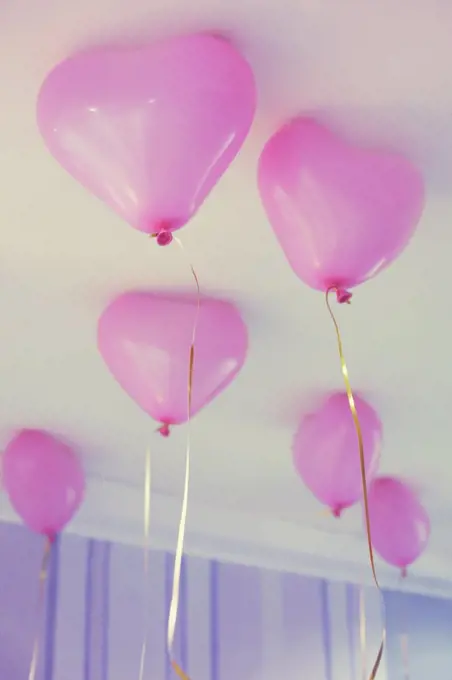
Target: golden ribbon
column 146, row 543
column 174, row 605
column 351, row 402
column 43, row 574
column 175, row 593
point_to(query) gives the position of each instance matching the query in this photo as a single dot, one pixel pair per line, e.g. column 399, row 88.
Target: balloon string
column 405, row 656
column 174, row 605
column 351, row 402
column 146, row 544
column 43, row 574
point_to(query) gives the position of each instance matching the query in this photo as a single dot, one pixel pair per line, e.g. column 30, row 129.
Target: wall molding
column 113, row 512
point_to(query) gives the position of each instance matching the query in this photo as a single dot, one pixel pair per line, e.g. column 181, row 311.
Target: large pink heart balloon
column 44, row 480
column 326, row 453
column 145, row 340
column 149, row 130
column 341, row 213
column 400, row 525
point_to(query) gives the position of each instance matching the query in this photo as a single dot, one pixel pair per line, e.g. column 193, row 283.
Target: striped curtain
column 236, row 622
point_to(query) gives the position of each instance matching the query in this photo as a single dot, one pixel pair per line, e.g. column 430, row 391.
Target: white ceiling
column 378, row 72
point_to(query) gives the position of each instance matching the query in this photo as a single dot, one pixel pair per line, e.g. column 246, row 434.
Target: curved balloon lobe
column 145, row 339
column 149, row 130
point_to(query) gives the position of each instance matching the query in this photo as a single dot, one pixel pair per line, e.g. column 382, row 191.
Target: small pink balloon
column 326, row 453
column 145, row 338
column 341, row 213
column 149, row 130
column 44, row 480
column 400, row 526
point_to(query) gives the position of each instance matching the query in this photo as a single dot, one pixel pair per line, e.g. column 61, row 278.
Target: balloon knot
column 404, row 573
column 163, row 236
column 343, row 296
column 336, row 512
column 164, row 430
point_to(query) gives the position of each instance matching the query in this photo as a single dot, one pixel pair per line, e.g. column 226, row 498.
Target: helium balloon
column 326, row 452
column 340, row 213
column 400, row 526
column 44, row 480
column 149, row 130
column 145, row 338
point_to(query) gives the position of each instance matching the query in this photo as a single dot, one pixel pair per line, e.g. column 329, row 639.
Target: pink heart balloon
column 341, row 214
column 145, row 338
column 149, row 130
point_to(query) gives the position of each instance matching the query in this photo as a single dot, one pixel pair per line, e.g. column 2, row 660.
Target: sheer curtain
column 236, row 622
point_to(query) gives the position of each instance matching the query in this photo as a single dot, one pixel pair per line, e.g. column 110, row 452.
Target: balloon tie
column 164, row 429
column 351, row 401
column 343, row 296
column 164, row 235
column 43, row 577
column 174, row 605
